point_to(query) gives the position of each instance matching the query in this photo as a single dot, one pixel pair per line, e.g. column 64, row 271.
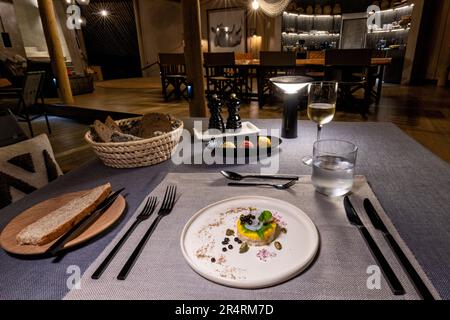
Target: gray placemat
column 339, row 271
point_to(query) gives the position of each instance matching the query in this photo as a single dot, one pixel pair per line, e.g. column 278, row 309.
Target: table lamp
column 291, row 86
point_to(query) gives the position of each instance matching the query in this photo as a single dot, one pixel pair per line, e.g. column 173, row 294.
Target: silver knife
column 81, row 226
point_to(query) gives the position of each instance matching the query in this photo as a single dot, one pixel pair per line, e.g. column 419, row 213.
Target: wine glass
column 322, row 98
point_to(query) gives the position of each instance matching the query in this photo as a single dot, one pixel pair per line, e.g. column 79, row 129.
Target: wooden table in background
column 4, row 83
column 379, row 63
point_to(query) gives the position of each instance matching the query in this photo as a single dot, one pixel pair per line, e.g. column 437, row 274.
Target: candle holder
column 291, row 86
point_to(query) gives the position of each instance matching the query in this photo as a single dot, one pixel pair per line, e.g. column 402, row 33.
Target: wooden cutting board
column 8, row 236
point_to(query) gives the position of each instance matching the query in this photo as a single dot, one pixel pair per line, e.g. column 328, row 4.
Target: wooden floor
column 421, row 112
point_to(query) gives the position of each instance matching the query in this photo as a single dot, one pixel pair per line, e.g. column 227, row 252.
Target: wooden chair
column 10, row 130
column 272, row 64
column 173, row 74
column 222, row 75
column 316, row 72
column 248, row 74
column 27, row 99
column 341, row 64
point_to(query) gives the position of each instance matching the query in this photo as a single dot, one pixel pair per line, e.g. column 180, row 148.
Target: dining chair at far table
column 341, row 65
column 23, row 102
column 223, row 76
column 273, row 64
column 315, row 72
column 173, row 75
column 248, row 74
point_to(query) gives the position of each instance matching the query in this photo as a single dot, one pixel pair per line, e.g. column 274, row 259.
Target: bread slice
column 59, row 221
column 103, row 132
column 110, row 123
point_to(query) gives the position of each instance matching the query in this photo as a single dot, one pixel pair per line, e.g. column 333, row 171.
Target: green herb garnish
column 260, row 231
column 265, row 216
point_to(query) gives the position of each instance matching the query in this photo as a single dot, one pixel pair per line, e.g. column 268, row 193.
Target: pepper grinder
column 215, row 108
column 234, row 120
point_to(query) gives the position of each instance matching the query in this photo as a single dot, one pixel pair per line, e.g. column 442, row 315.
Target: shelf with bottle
column 300, row 23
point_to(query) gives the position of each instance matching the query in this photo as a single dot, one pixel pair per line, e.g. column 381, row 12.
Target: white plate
column 203, row 233
column 247, row 129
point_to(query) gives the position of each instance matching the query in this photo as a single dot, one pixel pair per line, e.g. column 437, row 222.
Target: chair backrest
column 31, row 87
column 218, row 59
column 10, row 131
column 277, row 59
column 172, row 63
column 171, row 58
column 348, row 57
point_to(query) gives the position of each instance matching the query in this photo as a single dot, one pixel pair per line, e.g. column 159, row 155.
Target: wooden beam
column 49, row 24
column 194, row 57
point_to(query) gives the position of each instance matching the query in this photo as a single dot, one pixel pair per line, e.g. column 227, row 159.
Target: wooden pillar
column 412, row 47
column 193, row 55
column 49, row 24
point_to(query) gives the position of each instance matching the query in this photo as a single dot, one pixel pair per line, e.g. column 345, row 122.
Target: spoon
column 276, row 186
column 238, row 177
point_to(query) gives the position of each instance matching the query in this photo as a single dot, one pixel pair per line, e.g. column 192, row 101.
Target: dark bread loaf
column 153, row 124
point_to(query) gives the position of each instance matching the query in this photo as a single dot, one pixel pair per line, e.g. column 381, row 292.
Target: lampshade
column 291, row 84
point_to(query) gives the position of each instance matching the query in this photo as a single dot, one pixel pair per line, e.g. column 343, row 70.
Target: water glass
column 333, row 164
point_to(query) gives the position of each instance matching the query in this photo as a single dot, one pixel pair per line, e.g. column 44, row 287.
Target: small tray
column 247, row 129
column 239, row 151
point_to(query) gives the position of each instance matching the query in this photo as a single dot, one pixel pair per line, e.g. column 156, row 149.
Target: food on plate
column 257, row 228
column 56, row 223
column 264, row 142
column 278, row 245
column 229, row 232
column 247, row 144
column 228, row 145
column 244, row 248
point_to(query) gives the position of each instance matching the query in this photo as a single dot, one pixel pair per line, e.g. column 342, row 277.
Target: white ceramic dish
column 203, row 233
column 247, row 129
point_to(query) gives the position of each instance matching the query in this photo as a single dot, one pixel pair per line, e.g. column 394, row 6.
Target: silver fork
column 146, row 212
column 166, row 208
column 253, row 184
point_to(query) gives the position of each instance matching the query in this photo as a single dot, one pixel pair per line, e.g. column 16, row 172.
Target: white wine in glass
column 321, row 113
column 322, row 98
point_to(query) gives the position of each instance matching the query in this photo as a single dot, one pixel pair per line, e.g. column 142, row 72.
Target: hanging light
column 104, row 13
column 255, row 4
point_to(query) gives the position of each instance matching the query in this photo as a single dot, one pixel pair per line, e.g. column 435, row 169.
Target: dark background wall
column 111, row 41
column 8, row 15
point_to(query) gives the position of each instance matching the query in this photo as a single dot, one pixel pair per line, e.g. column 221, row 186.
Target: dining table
column 411, row 184
column 378, row 64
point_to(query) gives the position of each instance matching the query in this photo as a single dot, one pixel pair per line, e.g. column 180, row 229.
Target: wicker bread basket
column 133, row 154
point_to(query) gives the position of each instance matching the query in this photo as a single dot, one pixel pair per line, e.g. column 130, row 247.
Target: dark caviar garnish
column 230, row 247
column 224, row 249
column 213, row 260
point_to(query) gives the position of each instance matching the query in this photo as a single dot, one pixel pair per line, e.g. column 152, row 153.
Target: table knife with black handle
column 392, row 280
column 417, row 281
column 81, row 226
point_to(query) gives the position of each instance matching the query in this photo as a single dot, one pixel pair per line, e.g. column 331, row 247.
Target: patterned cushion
column 26, row 166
